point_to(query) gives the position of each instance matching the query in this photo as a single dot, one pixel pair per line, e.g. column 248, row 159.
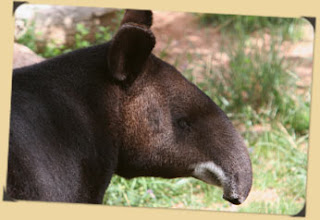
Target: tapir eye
column 183, row 123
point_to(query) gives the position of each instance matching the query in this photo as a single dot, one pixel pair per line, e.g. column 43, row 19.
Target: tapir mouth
column 212, row 174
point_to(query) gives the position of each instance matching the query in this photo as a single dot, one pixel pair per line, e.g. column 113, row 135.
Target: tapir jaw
column 211, row 173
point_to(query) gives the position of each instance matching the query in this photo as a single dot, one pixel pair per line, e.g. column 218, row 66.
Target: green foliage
column 52, row 49
column 29, row 38
column 249, row 24
column 257, row 86
column 81, row 34
column 103, row 34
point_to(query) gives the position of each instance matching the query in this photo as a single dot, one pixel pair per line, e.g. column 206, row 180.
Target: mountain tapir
column 116, row 108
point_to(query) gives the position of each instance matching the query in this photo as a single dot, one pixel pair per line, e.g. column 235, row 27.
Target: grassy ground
column 257, row 89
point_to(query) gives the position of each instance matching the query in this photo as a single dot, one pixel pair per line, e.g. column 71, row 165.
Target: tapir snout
column 227, row 163
column 234, row 177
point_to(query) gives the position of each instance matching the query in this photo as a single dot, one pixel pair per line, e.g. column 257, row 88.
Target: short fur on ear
column 142, row 17
column 130, row 49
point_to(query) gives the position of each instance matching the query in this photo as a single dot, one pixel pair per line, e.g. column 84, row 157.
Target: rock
column 23, row 56
column 58, row 23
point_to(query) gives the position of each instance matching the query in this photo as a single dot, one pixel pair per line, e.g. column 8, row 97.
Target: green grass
column 282, row 206
column 258, row 86
column 257, row 89
column 157, row 192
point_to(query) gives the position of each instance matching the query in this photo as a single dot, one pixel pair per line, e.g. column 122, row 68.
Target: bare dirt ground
column 179, row 36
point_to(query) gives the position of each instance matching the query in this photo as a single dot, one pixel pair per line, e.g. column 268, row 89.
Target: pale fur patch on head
column 211, row 173
column 205, row 171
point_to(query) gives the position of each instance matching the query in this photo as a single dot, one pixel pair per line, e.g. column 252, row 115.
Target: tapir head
column 170, row 128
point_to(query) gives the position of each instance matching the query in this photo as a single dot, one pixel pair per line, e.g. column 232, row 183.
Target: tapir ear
column 142, row 17
column 131, row 46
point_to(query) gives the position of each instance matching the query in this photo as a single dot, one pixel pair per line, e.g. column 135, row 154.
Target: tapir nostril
column 235, row 201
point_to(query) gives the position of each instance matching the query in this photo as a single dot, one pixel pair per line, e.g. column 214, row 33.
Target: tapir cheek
column 147, row 120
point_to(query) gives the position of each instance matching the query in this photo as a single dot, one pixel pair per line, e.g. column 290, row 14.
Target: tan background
column 38, row 210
